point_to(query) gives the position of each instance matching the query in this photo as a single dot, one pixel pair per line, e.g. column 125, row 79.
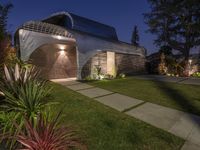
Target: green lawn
column 103, row 128
column 174, row 95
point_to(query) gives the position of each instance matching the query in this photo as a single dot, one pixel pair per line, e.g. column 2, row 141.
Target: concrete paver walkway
column 118, row 101
column 94, row 92
column 65, row 82
column 79, row 86
column 190, row 146
column 181, row 124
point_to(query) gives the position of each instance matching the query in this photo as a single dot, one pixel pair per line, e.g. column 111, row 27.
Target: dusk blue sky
column 121, row 14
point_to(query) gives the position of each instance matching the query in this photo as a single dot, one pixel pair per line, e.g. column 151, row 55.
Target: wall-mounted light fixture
column 62, row 48
column 62, row 51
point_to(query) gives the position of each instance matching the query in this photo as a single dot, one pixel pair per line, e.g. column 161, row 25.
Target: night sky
column 121, row 14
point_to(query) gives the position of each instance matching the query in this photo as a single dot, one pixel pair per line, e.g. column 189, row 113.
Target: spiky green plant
column 27, row 98
column 24, row 96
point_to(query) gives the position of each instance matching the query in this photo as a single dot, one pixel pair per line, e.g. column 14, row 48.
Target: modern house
column 65, row 45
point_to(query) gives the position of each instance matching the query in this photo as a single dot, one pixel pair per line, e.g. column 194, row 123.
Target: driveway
column 182, row 80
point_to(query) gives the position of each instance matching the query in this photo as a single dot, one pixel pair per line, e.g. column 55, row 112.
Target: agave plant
column 24, row 95
column 48, row 135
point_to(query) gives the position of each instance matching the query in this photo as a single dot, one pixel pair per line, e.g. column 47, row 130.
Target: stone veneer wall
column 125, row 63
column 99, row 59
column 129, row 64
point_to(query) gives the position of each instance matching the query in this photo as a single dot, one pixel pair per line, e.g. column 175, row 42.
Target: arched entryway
column 56, row 61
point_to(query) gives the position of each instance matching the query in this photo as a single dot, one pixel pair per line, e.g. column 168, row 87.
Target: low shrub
column 88, row 78
column 121, row 76
column 196, row 74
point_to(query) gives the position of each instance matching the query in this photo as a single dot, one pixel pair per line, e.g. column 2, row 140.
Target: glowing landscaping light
column 190, row 61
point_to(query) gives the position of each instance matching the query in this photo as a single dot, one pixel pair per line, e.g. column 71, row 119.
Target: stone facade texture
column 125, row 63
column 129, row 64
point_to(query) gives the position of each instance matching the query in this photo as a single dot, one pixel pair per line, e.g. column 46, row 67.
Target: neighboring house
column 65, row 45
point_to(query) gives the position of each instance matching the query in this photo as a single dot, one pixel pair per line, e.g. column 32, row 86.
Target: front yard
column 178, row 96
column 103, row 128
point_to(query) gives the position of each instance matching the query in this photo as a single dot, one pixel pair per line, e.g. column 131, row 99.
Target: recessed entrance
column 56, row 61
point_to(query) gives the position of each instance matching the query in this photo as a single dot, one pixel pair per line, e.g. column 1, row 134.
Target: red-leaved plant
column 48, row 135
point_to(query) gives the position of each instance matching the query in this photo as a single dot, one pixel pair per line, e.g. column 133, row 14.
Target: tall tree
column 176, row 24
column 135, row 36
column 5, row 38
column 4, row 11
column 166, row 50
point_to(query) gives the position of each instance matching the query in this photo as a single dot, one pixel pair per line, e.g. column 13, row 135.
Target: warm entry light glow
column 62, row 47
column 62, row 51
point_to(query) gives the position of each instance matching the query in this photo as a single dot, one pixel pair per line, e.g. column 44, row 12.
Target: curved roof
column 75, row 22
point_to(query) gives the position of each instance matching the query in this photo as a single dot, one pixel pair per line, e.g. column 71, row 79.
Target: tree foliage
column 135, row 36
column 4, row 11
column 5, row 38
column 167, row 50
column 175, row 23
